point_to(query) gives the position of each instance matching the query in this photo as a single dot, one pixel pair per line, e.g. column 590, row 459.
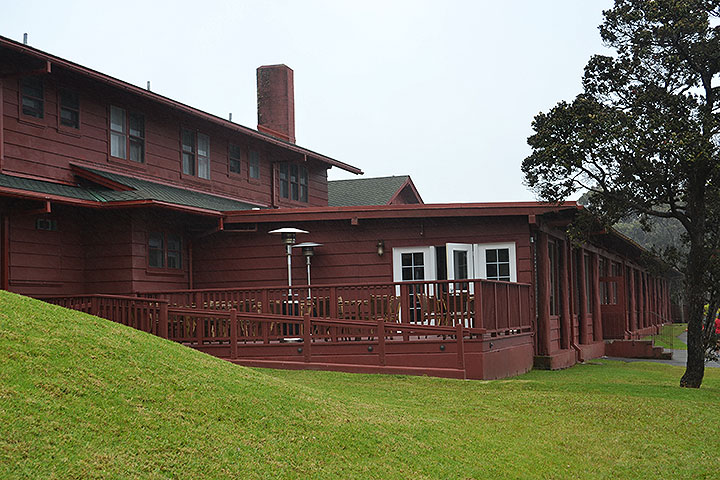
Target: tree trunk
column 695, row 292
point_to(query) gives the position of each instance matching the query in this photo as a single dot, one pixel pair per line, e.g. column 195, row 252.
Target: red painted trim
column 410, row 185
column 13, row 192
column 5, row 253
column 2, row 125
column 114, row 82
column 99, row 179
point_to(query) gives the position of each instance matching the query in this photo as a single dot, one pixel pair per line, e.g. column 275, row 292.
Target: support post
column 543, row 266
column 597, row 305
column 479, row 321
column 199, row 330
column 460, row 346
column 307, row 340
column 405, row 308
column 566, row 297
column 233, row 333
column 632, row 314
column 163, row 320
column 381, row 341
column 583, row 310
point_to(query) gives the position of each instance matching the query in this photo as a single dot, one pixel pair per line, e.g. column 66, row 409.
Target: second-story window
column 195, row 148
column 69, row 109
column 254, row 164
column 127, row 134
column 32, row 94
column 293, row 180
column 234, row 158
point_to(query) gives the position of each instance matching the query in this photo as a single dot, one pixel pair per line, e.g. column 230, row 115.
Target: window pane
column 492, row 272
column 117, row 145
column 504, row 269
column 117, row 120
column 491, row 255
column 137, row 125
column 406, row 259
column 503, row 255
column 32, row 107
column 407, row 273
column 460, row 262
column 69, row 118
column 254, row 170
column 69, row 99
column 188, row 141
column 188, row 164
column 419, row 273
column 203, row 167
column 234, row 158
column 32, row 87
column 174, row 251
column 418, row 258
column 155, row 250
column 203, row 145
column 137, row 151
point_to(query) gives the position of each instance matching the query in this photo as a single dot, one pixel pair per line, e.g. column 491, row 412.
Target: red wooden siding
column 348, row 253
column 41, row 149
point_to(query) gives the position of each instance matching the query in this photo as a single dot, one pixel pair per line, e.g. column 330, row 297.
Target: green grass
column 667, row 338
column 81, row 397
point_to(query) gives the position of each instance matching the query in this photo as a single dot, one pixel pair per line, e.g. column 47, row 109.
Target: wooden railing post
column 381, row 341
column 405, row 308
column 333, row 303
column 306, row 337
column 199, row 330
column 94, row 306
column 460, row 346
column 478, row 323
column 163, row 320
column 233, row 333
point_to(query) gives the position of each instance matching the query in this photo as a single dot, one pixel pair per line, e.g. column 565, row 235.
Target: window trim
column 298, row 182
column 195, row 176
column 480, row 264
column 165, row 269
column 66, row 128
column 30, row 119
column 128, row 137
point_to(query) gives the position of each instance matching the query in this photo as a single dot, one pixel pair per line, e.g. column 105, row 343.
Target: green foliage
column 643, row 136
column 81, row 397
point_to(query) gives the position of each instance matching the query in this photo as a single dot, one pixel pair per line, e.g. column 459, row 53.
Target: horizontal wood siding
column 348, row 253
column 39, row 148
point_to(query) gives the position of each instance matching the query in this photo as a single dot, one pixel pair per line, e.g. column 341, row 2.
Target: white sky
column 444, row 91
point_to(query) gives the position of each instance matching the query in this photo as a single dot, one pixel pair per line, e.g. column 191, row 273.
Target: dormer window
column 127, row 134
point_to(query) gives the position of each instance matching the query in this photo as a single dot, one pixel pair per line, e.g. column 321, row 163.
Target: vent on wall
column 46, row 224
column 240, row 227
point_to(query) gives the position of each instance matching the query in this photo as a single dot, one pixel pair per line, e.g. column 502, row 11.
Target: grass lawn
column 667, row 338
column 81, row 397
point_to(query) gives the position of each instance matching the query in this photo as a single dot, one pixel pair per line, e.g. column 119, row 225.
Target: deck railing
column 147, row 314
column 499, row 308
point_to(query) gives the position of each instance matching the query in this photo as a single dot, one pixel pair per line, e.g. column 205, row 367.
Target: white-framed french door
column 414, row 263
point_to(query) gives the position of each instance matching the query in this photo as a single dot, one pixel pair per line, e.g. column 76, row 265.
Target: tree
column 643, row 135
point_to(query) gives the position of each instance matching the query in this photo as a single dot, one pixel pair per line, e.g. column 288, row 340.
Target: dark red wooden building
column 110, row 189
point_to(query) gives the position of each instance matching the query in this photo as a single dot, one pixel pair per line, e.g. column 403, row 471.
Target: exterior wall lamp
column 380, row 248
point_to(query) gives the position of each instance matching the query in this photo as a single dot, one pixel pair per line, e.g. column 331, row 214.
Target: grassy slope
column 81, row 397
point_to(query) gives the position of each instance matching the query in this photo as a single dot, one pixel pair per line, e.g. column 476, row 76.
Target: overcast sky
column 444, row 91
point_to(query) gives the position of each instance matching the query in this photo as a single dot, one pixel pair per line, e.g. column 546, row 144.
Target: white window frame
column 480, row 266
column 429, row 266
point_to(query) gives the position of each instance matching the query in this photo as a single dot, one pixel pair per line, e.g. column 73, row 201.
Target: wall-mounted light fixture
column 380, row 248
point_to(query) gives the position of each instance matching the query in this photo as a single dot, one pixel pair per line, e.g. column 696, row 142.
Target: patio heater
column 308, row 249
column 288, row 238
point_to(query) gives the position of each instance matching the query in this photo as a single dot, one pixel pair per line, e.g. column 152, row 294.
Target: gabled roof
column 149, row 95
column 117, row 191
column 369, row 191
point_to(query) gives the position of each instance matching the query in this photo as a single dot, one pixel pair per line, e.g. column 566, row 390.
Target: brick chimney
column 276, row 101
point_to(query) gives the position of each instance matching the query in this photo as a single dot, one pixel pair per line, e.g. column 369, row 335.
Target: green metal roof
column 364, row 191
column 139, row 190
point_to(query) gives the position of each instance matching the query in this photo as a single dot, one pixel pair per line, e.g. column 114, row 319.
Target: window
column 69, row 109
column 293, row 181
column 32, row 94
column 234, row 158
column 164, row 251
column 191, row 154
column 127, row 133
column 254, row 165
